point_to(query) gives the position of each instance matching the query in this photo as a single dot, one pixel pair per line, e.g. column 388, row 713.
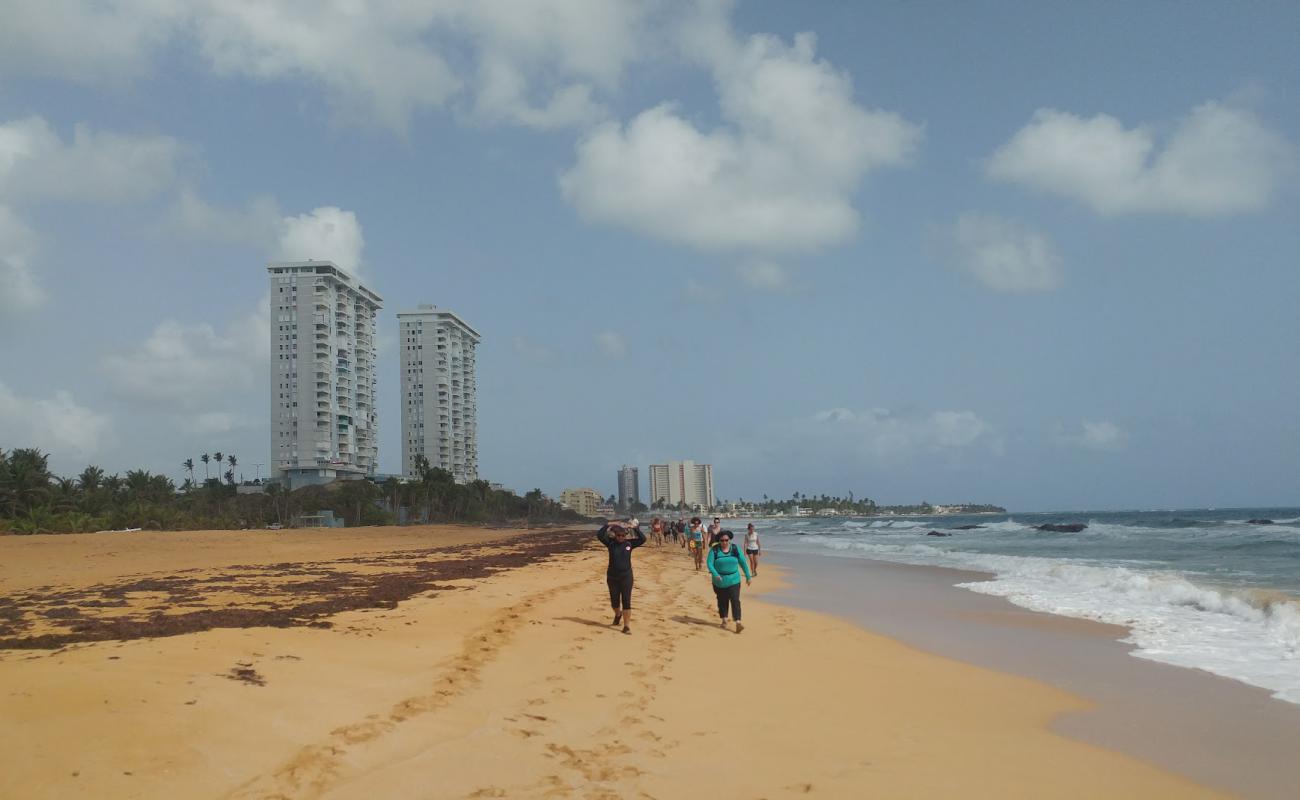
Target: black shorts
column 751, row 552
column 620, row 590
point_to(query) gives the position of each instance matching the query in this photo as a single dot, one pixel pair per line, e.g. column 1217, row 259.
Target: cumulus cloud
column 327, row 233
column 611, row 344
column 533, row 64
column 1099, row 436
column 194, row 368
column 1002, row 253
column 37, row 164
column 780, row 174
column 18, row 288
column 57, row 424
column 1217, row 160
column 85, row 40
column 324, row 234
column 882, row 432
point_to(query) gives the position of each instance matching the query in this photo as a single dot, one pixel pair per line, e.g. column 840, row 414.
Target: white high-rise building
column 439, row 393
column 682, row 482
column 323, row 420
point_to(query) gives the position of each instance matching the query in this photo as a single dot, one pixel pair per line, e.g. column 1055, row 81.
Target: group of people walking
column 724, row 561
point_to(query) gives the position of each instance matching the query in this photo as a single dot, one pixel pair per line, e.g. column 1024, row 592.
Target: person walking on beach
column 726, row 564
column 657, row 532
column 614, row 535
column 695, row 541
column 752, row 548
column 714, row 530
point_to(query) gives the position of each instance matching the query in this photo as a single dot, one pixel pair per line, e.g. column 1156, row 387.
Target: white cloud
column 192, row 368
column 779, row 175
column 1003, row 253
column 1099, row 436
column 85, row 40
column 58, row 425
column 883, row 433
column 37, row 164
column 765, row 276
column 257, row 225
column 18, row 288
column 327, row 233
column 1217, row 160
column 377, row 63
column 324, row 234
column 371, row 59
column 611, row 344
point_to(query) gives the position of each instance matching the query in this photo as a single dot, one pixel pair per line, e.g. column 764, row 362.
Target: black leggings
column 620, row 591
column 728, row 596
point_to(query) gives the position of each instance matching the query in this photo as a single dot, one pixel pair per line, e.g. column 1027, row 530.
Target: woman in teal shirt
column 726, row 564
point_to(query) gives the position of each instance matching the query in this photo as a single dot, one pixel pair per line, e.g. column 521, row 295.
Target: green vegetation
column 32, row 500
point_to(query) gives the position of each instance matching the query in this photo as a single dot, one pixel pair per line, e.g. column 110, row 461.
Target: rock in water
column 1073, row 527
column 967, row 527
column 938, row 533
column 1259, row 522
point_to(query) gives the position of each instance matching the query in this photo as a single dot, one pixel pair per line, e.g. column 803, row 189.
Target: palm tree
column 217, row 459
column 188, row 464
column 27, row 480
column 90, row 478
column 232, row 461
column 204, row 459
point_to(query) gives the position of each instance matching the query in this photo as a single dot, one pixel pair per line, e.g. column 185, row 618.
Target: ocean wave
column 1249, row 635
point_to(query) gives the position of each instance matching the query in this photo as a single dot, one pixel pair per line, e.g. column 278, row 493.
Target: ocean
column 1199, row 588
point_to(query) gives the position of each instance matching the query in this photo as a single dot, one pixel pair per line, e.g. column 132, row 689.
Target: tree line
column 34, row 500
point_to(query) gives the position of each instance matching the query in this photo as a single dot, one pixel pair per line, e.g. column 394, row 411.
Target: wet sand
column 1216, row 731
column 497, row 676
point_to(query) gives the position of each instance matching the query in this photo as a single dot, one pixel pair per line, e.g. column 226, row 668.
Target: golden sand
column 515, row 685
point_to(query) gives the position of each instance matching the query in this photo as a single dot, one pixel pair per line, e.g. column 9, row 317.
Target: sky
column 1039, row 254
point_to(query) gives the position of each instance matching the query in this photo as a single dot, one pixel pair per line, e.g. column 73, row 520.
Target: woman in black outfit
column 619, row 573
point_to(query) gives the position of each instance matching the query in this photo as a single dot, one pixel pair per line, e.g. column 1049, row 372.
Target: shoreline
column 1214, row 730
column 510, row 682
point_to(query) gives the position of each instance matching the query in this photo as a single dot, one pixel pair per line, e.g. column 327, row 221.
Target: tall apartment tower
column 324, row 425
column 439, row 405
column 629, row 487
column 682, row 482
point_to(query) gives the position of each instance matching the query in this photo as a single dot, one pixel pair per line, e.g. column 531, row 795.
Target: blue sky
column 1038, row 254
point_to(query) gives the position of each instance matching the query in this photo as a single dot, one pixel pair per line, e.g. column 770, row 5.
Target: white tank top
column 751, row 540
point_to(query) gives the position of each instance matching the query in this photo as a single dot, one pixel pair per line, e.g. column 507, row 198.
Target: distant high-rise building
column 629, row 487
column 584, row 501
column 323, row 420
column 682, row 482
column 439, row 393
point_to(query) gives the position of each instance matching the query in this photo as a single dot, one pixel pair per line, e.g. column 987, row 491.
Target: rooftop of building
column 331, row 269
column 429, row 310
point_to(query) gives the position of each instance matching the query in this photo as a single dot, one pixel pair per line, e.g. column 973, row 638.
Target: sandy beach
column 449, row 663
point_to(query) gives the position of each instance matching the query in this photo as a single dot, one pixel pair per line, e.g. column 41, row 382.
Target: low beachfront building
column 584, row 501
